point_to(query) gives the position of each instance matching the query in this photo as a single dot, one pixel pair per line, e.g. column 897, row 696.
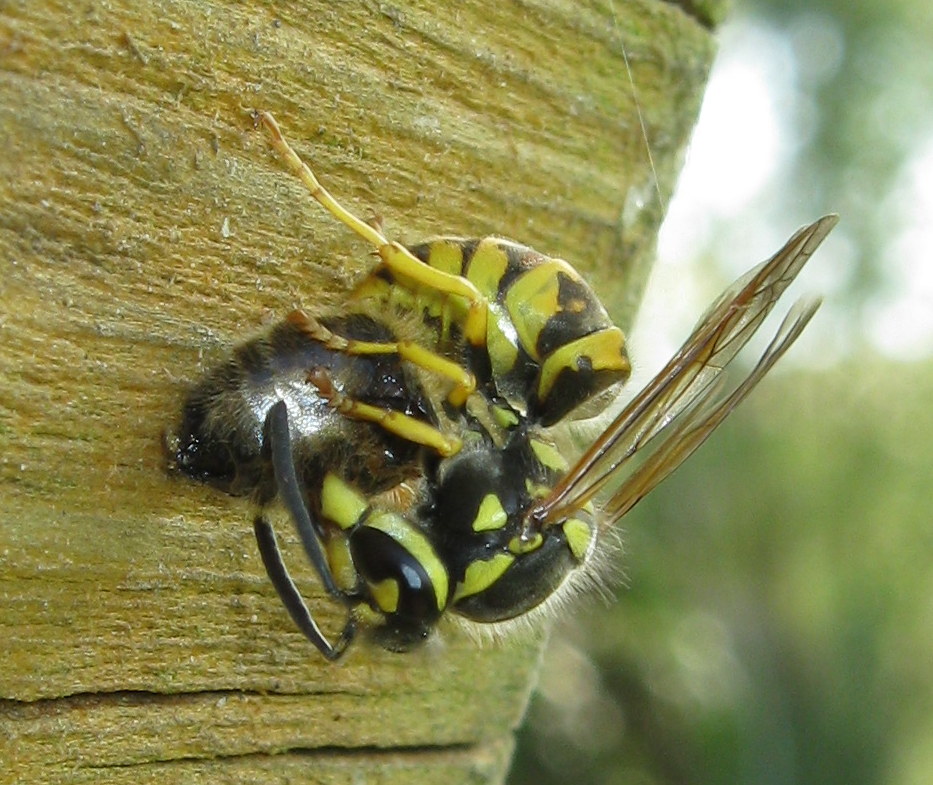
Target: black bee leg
column 278, row 442
column 291, row 598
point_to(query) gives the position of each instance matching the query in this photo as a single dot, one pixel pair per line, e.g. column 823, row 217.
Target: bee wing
column 680, row 401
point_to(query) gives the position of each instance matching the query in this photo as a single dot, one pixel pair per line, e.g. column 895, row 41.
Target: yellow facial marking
column 579, row 537
column 518, row 546
column 490, row 515
column 385, row 594
column 340, row 502
column 480, row 575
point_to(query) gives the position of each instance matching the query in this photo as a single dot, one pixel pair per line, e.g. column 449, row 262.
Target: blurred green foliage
column 863, row 112
column 778, row 621
column 775, row 620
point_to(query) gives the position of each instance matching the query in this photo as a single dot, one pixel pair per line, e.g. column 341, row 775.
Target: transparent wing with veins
column 679, row 408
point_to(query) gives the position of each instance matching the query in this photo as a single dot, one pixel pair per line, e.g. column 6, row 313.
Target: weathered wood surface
column 145, row 226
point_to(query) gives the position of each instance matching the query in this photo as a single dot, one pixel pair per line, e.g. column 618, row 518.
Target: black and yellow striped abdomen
column 550, row 343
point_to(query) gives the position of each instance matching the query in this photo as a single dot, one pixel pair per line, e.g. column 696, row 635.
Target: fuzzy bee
column 410, row 436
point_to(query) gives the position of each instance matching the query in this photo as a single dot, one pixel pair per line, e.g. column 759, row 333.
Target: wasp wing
column 692, row 429
column 680, row 401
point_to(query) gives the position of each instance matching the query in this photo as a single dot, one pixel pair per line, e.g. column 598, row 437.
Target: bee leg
column 398, row 259
column 395, row 422
column 464, row 382
column 277, row 436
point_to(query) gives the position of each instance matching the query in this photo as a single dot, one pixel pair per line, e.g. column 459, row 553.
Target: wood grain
column 145, row 226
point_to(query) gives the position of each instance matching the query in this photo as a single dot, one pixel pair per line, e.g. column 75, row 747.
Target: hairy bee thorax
column 221, row 436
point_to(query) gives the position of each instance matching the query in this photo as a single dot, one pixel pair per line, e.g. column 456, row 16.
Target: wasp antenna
column 291, row 597
column 283, row 464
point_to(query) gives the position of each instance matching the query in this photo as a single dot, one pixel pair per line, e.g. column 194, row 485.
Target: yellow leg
column 403, row 265
column 398, row 423
column 464, row 382
column 394, row 256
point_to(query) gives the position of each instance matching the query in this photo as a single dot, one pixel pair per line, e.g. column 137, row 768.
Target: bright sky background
column 734, row 207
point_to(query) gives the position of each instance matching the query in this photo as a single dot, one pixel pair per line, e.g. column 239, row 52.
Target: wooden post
column 146, row 226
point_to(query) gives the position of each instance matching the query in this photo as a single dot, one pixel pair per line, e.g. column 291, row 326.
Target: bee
column 410, row 436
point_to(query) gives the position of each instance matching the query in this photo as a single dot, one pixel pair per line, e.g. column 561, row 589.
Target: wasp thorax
column 499, row 570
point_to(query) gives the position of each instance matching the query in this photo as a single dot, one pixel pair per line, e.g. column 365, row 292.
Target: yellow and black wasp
column 409, row 436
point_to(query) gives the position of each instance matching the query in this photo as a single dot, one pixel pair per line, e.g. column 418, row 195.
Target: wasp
column 411, row 435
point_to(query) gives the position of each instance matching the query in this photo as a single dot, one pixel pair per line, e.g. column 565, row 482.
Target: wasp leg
column 464, row 382
column 398, row 259
column 279, row 441
column 395, row 422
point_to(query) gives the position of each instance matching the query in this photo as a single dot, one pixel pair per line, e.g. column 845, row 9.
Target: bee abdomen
column 220, row 438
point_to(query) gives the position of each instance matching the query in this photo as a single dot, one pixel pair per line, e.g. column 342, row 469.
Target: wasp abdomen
column 550, row 343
